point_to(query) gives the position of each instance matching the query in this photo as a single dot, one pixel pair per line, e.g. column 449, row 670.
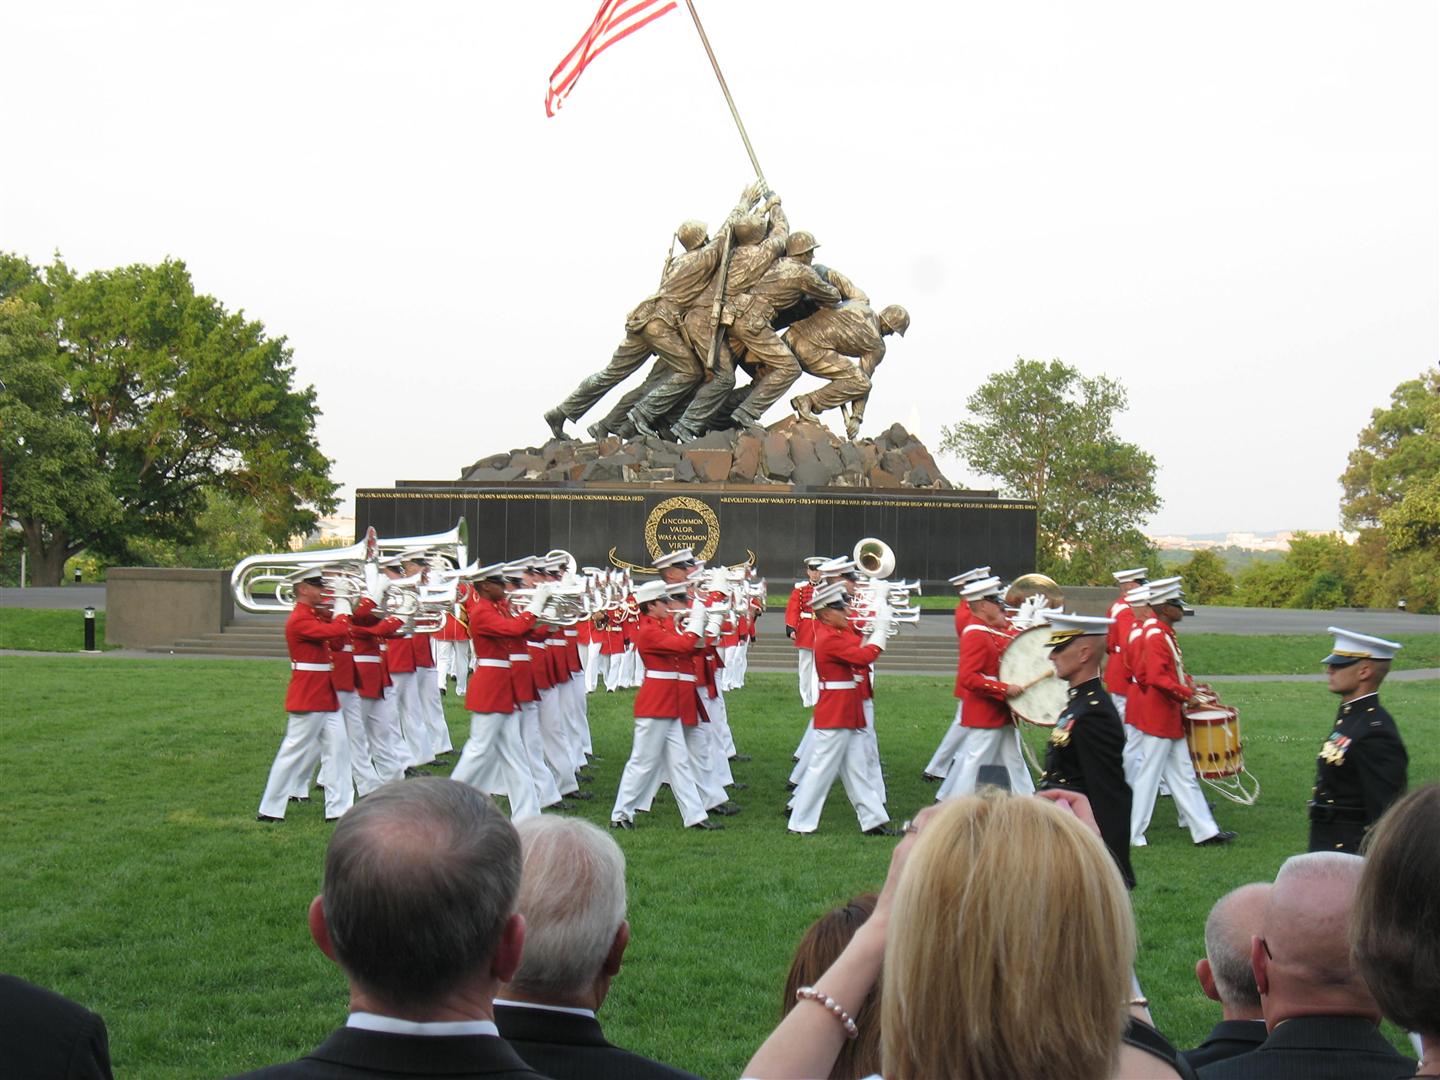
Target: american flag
column 616, row 20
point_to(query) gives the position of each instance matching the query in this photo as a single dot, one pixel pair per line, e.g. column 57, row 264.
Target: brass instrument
column 876, row 562
column 873, row 558
column 1028, row 585
column 258, row 581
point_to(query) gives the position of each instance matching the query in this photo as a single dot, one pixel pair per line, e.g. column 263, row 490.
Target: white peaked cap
column 829, row 594
column 651, row 590
column 1138, row 596
column 833, row 567
column 970, row 575
column 1065, row 628
column 1166, row 590
column 1350, row 647
column 675, row 558
column 990, row 588
column 1139, row 573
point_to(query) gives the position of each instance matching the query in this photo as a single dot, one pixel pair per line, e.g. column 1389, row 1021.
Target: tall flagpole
column 726, row 91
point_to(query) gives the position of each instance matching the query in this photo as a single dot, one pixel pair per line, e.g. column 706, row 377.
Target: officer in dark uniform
column 1086, row 749
column 1362, row 764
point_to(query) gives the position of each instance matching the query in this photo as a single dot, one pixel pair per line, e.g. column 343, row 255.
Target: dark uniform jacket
column 565, row 1046
column 1227, row 1039
column 44, row 1034
column 1359, row 773
column 1317, row 1048
column 1085, row 754
column 357, row 1054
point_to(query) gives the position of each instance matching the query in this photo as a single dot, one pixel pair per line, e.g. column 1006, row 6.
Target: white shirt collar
column 547, row 1008
column 394, row 1026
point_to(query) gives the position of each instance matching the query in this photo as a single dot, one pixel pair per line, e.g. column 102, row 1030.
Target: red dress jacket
column 1162, row 685
column 572, row 648
column 1117, row 671
column 1134, row 642
column 491, row 628
column 308, row 634
column 522, row 671
column 799, row 617
column 963, row 618
column 668, row 692
column 556, row 656
column 399, row 657
column 838, row 655
column 612, row 639
column 372, row 674
column 985, row 702
column 420, row 651
column 454, row 629
column 540, row 658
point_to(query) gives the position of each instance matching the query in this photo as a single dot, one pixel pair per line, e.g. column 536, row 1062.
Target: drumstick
column 1038, row 679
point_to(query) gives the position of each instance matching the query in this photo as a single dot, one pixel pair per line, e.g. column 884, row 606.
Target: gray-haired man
column 572, row 896
column 1227, row 977
column 418, row 910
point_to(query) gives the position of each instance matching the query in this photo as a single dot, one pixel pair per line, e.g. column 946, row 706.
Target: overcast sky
column 1231, row 207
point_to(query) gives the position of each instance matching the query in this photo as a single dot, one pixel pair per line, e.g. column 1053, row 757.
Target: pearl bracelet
column 809, row 993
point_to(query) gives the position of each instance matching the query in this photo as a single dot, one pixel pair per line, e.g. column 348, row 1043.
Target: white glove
column 879, row 634
column 715, row 621
column 340, row 605
column 537, row 600
column 375, row 583
column 695, row 621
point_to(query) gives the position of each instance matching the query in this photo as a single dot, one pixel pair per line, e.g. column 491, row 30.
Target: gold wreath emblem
column 682, row 502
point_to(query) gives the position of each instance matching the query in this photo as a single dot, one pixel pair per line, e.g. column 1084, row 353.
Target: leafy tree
column 1319, row 571
column 1046, row 432
column 1206, row 579
column 128, row 397
column 226, row 530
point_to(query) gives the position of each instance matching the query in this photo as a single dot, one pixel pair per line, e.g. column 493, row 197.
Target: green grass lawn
column 134, row 878
column 1288, row 654
column 48, row 629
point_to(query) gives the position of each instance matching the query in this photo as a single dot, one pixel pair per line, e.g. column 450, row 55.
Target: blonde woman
column 985, row 979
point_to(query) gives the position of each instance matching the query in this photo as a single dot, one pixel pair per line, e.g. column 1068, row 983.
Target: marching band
column 379, row 632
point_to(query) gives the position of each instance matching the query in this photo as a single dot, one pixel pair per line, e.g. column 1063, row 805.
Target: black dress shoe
column 580, row 795
column 585, row 778
column 299, row 798
column 561, row 807
column 740, row 757
column 797, row 832
column 737, row 786
column 622, row 823
column 789, row 786
column 786, row 811
column 726, row 809
column 267, row 817
column 929, row 779
column 332, row 820
column 707, row 824
column 881, row 830
column 1222, row 837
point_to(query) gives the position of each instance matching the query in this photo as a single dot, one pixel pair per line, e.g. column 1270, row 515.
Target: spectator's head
column 418, row 906
column 1226, row 974
column 1396, row 921
column 1301, row 959
column 821, row 945
column 572, row 896
column 1011, row 941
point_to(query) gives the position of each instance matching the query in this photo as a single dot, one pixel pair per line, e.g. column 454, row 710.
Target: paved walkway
column 65, row 597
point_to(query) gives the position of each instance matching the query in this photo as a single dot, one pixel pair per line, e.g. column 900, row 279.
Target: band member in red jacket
column 838, row 741
column 989, row 735
column 495, row 755
column 1156, row 710
column 427, row 674
column 1117, row 670
column 452, row 644
column 311, row 702
column 664, row 705
column 800, row 628
column 400, row 662
column 939, row 765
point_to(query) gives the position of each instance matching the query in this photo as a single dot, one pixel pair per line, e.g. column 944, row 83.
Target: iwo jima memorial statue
column 684, row 458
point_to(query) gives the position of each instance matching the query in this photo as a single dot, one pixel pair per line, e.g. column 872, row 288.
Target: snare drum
column 1213, row 735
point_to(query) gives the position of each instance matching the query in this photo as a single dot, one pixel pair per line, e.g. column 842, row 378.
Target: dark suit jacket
column 356, row 1054
column 1317, row 1048
column 568, row 1047
column 1227, row 1039
column 44, row 1034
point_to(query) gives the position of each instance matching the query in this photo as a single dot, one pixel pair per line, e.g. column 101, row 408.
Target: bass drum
column 1026, row 662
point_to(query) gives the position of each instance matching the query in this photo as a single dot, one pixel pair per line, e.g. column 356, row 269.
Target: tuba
column 258, row 581
column 873, row 558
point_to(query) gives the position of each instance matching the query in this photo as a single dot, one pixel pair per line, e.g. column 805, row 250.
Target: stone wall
column 792, row 452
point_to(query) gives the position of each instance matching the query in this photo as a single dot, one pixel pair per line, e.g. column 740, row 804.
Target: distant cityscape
column 1277, row 542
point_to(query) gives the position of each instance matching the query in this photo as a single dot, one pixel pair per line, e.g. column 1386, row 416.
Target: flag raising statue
column 616, row 20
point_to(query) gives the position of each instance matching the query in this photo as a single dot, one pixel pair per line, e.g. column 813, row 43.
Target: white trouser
column 387, row 747
column 555, row 740
column 452, row 661
column 612, row 670
column 630, row 667
column 1158, row 759
column 872, row 751
column 742, row 664
column 294, row 760
column 427, row 686
column 414, row 724
column 495, row 759
column 1120, row 700
column 572, row 708
column 803, row 752
column 809, row 683
column 939, row 764
column 842, row 751
column 582, row 708
column 730, row 668
column 987, row 746
column 658, row 749
column 701, row 746
column 362, row 767
column 719, row 714
column 591, row 660
column 546, row 788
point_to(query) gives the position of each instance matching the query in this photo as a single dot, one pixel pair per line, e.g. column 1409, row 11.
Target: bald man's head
column 1234, row 921
column 1302, row 959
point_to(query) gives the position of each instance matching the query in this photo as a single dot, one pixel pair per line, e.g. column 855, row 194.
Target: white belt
column 807, row 614
column 993, row 678
column 487, row 662
column 555, row 641
column 572, row 633
column 367, row 659
column 308, row 667
column 384, row 647
column 347, row 648
column 517, row 657
column 681, row 675
column 835, row 684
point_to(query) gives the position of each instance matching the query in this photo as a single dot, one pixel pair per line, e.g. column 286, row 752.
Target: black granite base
column 934, row 534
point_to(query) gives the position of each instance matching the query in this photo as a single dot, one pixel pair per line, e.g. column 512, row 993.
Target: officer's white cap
column 1350, row 647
